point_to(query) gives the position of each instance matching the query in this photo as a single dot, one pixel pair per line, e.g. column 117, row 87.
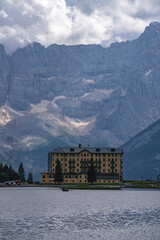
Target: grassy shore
column 97, row 186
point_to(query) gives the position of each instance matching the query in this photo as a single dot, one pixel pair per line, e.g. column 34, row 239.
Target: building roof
column 88, row 149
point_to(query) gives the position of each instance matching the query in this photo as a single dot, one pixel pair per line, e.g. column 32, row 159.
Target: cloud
column 73, row 22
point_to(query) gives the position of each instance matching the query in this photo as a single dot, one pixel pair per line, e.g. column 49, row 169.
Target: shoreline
column 74, row 187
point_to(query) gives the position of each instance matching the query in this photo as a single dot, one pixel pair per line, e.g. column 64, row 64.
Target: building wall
column 75, row 165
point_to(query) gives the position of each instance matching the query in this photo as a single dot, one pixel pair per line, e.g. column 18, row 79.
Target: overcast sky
column 74, row 21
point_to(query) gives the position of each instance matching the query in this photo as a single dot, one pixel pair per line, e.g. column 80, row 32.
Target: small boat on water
column 65, row 189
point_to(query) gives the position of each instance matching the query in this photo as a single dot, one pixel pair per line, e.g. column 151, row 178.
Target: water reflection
column 45, row 213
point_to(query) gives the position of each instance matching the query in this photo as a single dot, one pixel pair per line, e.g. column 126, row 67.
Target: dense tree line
column 7, row 173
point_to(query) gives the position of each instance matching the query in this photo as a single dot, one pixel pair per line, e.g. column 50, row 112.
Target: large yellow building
column 75, row 163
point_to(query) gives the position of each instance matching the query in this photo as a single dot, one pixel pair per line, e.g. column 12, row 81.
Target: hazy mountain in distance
column 141, row 158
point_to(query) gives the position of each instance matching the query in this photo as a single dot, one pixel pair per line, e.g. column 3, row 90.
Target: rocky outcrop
column 83, row 93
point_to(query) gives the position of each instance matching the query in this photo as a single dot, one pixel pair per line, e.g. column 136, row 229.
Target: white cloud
column 73, row 22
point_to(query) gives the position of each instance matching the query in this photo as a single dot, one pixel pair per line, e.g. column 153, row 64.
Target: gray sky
column 74, row 21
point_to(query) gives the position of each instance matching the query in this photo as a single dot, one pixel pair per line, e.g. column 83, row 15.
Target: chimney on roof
column 79, row 145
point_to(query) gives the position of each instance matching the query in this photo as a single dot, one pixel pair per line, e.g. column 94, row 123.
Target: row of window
column 86, row 154
column 87, row 165
column 85, row 160
column 85, row 170
column 109, row 181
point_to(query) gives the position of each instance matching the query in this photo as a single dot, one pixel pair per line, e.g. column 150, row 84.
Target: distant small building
column 158, row 178
column 75, row 163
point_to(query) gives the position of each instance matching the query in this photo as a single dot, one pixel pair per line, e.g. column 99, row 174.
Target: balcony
column 71, row 166
column 71, row 161
column 84, row 166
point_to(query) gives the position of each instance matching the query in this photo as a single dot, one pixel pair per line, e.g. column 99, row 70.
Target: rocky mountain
column 142, row 154
column 77, row 94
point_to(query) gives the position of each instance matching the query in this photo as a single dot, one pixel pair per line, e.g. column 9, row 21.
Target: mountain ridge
column 71, row 94
column 142, row 154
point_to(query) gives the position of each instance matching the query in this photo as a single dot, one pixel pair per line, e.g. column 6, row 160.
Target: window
column 81, row 154
column 65, row 170
column 44, row 176
column 77, row 164
column 108, row 159
column 77, row 159
column 103, row 165
column 103, row 154
column 84, row 155
column 77, row 170
column 61, row 154
column 109, row 165
column 108, row 170
column 66, row 177
column 104, row 170
column 65, row 159
column 103, row 160
column 57, row 154
column 77, row 154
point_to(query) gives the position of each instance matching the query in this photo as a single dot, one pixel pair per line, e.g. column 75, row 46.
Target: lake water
column 47, row 213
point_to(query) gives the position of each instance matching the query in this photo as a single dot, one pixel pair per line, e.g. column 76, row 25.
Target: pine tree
column 30, row 178
column 1, row 167
column 58, row 176
column 91, row 172
column 21, row 172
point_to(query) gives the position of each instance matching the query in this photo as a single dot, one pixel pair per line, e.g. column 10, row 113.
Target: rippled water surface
column 47, row 213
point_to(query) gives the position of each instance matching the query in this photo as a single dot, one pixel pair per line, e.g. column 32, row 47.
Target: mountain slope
column 77, row 94
column 142, row 154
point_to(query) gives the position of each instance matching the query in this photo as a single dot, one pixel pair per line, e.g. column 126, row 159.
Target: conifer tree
column 30, row 178
column 1, row 167
column 91, row 172
column 21, row 172
column 58, row 176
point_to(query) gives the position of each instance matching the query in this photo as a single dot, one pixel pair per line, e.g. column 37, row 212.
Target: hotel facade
column 75, row 162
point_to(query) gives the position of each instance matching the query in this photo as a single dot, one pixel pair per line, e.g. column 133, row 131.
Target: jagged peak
column 153, row 26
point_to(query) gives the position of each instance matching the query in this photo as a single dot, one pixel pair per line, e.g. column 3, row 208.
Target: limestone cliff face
column 83, row 93
column 4, row 75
